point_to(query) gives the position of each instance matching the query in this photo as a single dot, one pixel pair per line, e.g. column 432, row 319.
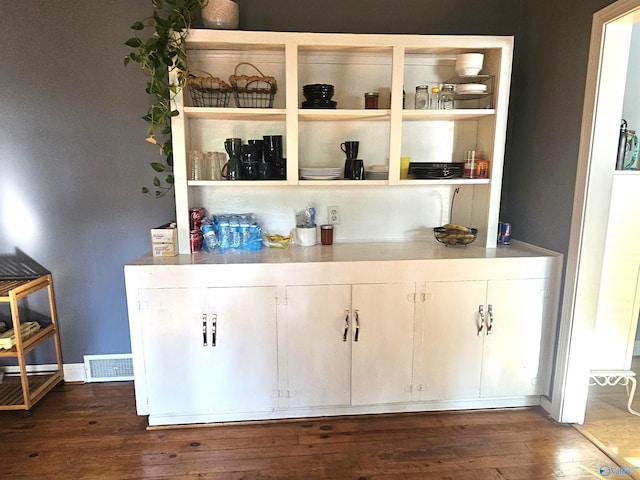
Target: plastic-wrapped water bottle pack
column 231, row 232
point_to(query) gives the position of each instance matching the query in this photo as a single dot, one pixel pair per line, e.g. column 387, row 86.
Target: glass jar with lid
column 422, row 97
column 446, row 97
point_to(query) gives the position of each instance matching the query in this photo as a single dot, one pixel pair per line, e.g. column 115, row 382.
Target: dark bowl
column 318, row 86
column 318, row 96
column 319, row 104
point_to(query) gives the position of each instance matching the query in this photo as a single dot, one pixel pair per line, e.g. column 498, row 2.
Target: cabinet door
column 174, row 354
column 382, row 343
column 448, row 358
column 512, row 343
column 314, row 347
column 242, row 366
column 185, row 376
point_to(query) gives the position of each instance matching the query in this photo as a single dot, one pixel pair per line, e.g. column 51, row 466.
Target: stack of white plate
column 471, row 88
column 377, row 172
column 320, row 173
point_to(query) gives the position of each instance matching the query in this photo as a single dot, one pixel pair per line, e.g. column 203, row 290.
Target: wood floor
column 91, row 431
column 607, row 422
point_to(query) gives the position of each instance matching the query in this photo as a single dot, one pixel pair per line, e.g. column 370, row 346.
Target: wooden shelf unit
column 22, row 391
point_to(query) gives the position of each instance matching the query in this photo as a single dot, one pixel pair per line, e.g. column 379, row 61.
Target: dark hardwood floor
column 91, row 431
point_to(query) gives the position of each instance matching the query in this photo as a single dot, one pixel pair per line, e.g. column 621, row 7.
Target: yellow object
column 404, row 167
column 8, row 338
column 277, row 240
column 453, row 226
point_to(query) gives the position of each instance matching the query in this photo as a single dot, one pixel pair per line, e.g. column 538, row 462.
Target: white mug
column 306, row 236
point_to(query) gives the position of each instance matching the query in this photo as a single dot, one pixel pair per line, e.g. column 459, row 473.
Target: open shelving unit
column 393, row 65
column 20, row 278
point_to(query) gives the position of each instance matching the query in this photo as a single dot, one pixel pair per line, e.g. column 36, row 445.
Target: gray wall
column 73, row 159
column 545, row 119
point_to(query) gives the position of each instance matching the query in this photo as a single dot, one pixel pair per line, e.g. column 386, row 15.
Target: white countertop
column 351, row 252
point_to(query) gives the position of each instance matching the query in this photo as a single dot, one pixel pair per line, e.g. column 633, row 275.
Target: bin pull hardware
column 346, row 325
column 204, row 329
column 357, row 326
column 214, row 329
column 481, row 319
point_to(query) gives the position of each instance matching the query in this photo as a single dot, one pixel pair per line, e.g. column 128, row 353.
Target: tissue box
column 164, row 240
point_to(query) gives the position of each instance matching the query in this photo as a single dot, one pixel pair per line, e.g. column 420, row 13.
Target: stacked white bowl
column 469, row 64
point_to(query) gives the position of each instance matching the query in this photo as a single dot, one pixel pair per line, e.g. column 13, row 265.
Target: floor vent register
column 108, row 368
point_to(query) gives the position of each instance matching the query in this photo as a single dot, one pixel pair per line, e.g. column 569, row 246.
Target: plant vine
column 160, row 53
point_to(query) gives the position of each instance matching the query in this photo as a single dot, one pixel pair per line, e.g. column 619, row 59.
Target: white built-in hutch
column 384, row 320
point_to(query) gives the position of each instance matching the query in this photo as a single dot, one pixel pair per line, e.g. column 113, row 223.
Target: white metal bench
column 610, row 378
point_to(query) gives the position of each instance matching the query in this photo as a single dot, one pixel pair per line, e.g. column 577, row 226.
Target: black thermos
column 622, row 145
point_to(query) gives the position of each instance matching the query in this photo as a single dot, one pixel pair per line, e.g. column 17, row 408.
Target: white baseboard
column 73, row 372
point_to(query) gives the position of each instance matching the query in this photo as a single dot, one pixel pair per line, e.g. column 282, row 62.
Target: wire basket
column 455, row 236
column 253, row 91
column 208, row 91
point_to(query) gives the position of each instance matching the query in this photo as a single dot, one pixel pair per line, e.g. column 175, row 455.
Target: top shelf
column 443, row 45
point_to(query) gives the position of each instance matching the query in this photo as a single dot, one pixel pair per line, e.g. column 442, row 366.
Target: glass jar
column 422, row 97
column 469, row 164
column 446, row 97
column 371, row 100
column 326, row 234
column 481, row 168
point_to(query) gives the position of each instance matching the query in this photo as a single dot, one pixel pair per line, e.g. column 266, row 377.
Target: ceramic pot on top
column 221, row 14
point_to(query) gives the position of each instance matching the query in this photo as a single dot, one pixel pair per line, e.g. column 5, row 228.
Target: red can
column 195, row 238
column 195, row 218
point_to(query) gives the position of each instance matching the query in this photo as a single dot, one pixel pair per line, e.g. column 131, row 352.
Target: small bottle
column 422, row 97
column 446, row 97
column 434, row 98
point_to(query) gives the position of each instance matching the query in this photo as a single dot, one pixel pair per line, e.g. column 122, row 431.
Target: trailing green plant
column 158, row 53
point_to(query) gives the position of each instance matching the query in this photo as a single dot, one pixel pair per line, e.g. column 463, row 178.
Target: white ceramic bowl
column 469, row 63
column 468, row 71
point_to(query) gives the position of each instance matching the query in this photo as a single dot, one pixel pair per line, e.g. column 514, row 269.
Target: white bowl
column 467, row 61
column 468, row 71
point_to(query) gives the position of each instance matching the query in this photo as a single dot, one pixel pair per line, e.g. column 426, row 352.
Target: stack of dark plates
column 318, row 95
